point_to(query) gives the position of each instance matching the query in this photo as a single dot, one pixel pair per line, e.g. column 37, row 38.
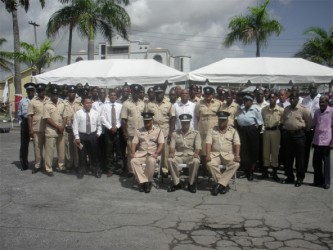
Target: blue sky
column 194, row 28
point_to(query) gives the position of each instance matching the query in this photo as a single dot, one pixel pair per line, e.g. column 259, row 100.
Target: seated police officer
column 147, row 145
column 185, row 147
column 223, row 147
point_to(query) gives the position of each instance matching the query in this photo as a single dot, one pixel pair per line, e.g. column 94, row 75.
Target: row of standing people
column 166, row 116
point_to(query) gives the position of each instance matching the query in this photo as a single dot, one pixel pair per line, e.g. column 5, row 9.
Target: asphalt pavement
column 63, row 212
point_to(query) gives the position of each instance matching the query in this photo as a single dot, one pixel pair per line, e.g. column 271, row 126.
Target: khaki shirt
column 297, row 118
column 131, row 112
column 232, row 109
column 73, row 107
column 195, row 100
column 35, row 109
column 223, row 142
column 57, row 112
column 185, row 144
column 271, row 117
column 147, row 141
column 162, row 114
column 206, row 115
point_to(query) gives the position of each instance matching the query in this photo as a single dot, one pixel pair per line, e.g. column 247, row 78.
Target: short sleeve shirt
column 323, row 122
column 249, row 117
column 162, row 114
column 36, row 109
column 272, row 116
column 185, row 144
column 23, row 107
column 57, row 112
column 296, row 118
column 73, row 107
column 232, row 109
column 131, row 112
column 147, row 141
column 223, row 142
column 206, row 113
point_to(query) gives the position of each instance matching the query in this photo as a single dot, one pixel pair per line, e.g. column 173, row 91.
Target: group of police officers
column 120, row 131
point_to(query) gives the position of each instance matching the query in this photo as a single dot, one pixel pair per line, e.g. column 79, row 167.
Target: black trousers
column 25, row 139
column 114, row 153
column 282, row 150
column 250, row 144
column 321, row 165
column 295, row 150
column 308, row 142
column 102, row 153
column 90, row 148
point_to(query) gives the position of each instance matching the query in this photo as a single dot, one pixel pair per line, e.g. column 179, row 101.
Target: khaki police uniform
column 35, row 110
column 57, row 112
column 162, row 114
column 147, row 144
column 195, row 100
column 271, row 137
column 232, row 109
column 131, row 112
column 71, row 150
column 185, row 145
column 207, row 119
column 222, row 152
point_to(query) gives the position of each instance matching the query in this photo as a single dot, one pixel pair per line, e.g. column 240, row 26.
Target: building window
column 118, row 50
column 78, row 59
column 158, row 58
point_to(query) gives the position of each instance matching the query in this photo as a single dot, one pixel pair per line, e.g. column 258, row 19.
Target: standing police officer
column 23, row 113
column 37, row 124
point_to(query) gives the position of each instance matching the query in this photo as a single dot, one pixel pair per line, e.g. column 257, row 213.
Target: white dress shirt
column 79, row 122
column 187, row 108
column 311, row 104
column 98, row 105
column 106, row 114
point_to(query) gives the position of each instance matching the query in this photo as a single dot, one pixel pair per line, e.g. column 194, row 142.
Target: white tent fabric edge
column 262, row 70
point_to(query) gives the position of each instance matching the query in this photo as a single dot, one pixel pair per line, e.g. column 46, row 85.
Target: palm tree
column 90, row 17
column 256, row 27
column 11, row 7
column 318, row 48
column 5, row 64
column 37, row 57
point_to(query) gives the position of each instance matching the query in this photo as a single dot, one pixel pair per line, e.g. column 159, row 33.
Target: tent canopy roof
column 112, row 72
column 260, row 70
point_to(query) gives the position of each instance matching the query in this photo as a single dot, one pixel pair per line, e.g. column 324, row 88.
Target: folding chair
column 184, row 165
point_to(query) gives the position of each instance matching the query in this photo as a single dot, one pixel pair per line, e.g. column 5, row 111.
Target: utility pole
column 35, row 25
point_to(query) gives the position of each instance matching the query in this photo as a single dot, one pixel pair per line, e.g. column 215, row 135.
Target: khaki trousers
column 271, row 144
column 39, row 143
column 225, row 177
column 165, row 156
column 71, row 153
column 143, row 174
column 128, row 151
column 50, row 144
column 193, row 165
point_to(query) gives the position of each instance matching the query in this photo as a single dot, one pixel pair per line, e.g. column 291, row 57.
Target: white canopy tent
column 112, row 72
column 263, row 70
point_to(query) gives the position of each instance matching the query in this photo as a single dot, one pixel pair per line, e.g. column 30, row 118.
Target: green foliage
column 319, row 47
column 255, row 27
column 5, row 64
column 37, row 57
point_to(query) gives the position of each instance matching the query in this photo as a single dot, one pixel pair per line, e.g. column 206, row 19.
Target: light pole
column 35, row 25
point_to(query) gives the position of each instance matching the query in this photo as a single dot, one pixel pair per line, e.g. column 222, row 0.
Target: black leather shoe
column 326, row 186
column 250, row 176
column 80, row 175
column 173, row 188
column 223, row 189
column 35, row 170
column 216, row 190
column 148, row 187
column 275, row 176
column 141, row 187
column 49, row 174
column 298, row 182
column 288, row 181
column 192, row 188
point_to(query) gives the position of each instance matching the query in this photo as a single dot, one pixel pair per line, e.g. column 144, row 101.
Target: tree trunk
column 17, row 66
column 258, row 49
column 91, row 51
column 69, row 55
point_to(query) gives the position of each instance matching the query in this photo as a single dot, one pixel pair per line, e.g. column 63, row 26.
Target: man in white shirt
column 111, row 121
column 184, row 106
column 312, row 103
column 86, row 129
